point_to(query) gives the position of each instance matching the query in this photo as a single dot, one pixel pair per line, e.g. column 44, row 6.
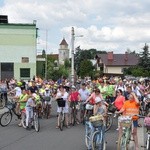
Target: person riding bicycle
column 22, row 102
column 131, row 108
column 61, row 93
column 47, row 100
column 29, row 109
column 99, row 109
column 74, row 98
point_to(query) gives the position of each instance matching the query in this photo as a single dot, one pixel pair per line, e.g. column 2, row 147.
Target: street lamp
column 72, row 54
column 46, row 54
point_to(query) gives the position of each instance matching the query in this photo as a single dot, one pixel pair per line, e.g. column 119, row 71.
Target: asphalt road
column 13, row 137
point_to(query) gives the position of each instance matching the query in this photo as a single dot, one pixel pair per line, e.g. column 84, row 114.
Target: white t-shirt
column 28, row 104
column 84, row 94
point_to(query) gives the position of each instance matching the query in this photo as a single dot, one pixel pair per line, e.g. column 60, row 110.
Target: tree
column 82, row 55
column 144, row 61
column 86, row 68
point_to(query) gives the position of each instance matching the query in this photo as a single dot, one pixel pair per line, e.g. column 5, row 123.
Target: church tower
column 63, row 51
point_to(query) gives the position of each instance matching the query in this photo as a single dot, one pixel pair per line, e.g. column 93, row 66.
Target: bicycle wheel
column 6, row 119
column 109, row 122
column 87, row 138
column 73, row 116
column 122, row 143
column 2, row 103
column 23, row 120
column 148, row 143
column 61, row 121
column 36, row 123
column 97, row 141
column 47, row 111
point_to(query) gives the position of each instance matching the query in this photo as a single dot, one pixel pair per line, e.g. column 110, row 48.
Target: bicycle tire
column 74, row 117
column 87, row 139
column 23, row 120
column 61, row 122
column 148, row 143
column 5, row 117
column 109, row 122
column 36, row 123
column 98, row 143
column 121, row 143
column 47, row 111
column 2, row 103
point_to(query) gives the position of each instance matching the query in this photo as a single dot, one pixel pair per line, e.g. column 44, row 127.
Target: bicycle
column 32, row 121
column 94, row 136
column 124, row 139
column 47, row 106
column 109, row 121
column 75, row 107
column 6, row 117
column 61, row 103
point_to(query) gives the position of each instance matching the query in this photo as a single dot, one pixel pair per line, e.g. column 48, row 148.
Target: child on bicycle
column 99, row 109
column 29, row 109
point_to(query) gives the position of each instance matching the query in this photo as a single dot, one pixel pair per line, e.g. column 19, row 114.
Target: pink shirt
column 119, row 101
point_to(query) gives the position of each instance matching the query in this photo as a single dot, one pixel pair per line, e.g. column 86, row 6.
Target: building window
column 7, row 66
column 25, row 59
column 25, row 72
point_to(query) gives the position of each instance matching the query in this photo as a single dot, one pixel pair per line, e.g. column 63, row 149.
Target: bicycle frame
column 94, row 136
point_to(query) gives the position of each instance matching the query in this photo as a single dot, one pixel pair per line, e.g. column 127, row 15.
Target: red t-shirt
column 74, row 96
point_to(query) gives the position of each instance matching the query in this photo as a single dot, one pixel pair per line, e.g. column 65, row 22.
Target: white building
column 63, row 51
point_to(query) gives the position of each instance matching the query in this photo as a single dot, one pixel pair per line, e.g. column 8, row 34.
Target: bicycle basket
column 97, row 123
column 125, row 124
column 61, row 102
column 89, row 107
column 96, row 120
column 112, row 108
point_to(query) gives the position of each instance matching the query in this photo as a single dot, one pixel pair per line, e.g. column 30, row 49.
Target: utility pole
column 46, row 55
column 72, row 55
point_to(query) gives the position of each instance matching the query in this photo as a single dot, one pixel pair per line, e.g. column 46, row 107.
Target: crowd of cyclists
column 89, row 98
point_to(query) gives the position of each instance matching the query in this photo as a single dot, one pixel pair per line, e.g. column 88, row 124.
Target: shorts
column 135, row 123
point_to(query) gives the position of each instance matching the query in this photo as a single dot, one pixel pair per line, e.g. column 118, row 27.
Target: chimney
column 110, row 55
column 126, row 56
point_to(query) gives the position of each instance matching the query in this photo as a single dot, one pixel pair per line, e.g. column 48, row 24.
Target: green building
column 17, row 50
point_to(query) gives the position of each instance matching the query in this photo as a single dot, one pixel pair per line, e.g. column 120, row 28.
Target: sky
column 110, row 25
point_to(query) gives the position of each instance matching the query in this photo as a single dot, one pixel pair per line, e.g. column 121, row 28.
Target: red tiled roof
column 63, row 42
column 120, row 59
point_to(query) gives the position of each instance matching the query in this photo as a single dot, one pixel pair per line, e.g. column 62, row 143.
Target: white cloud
column 105, row 24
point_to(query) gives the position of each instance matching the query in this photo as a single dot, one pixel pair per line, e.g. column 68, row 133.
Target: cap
column 97, row 100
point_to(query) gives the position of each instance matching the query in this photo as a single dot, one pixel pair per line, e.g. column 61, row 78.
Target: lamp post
column 72, row 54
column 46, row 55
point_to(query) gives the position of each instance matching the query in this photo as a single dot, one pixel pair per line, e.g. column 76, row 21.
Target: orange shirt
column 131, row 108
